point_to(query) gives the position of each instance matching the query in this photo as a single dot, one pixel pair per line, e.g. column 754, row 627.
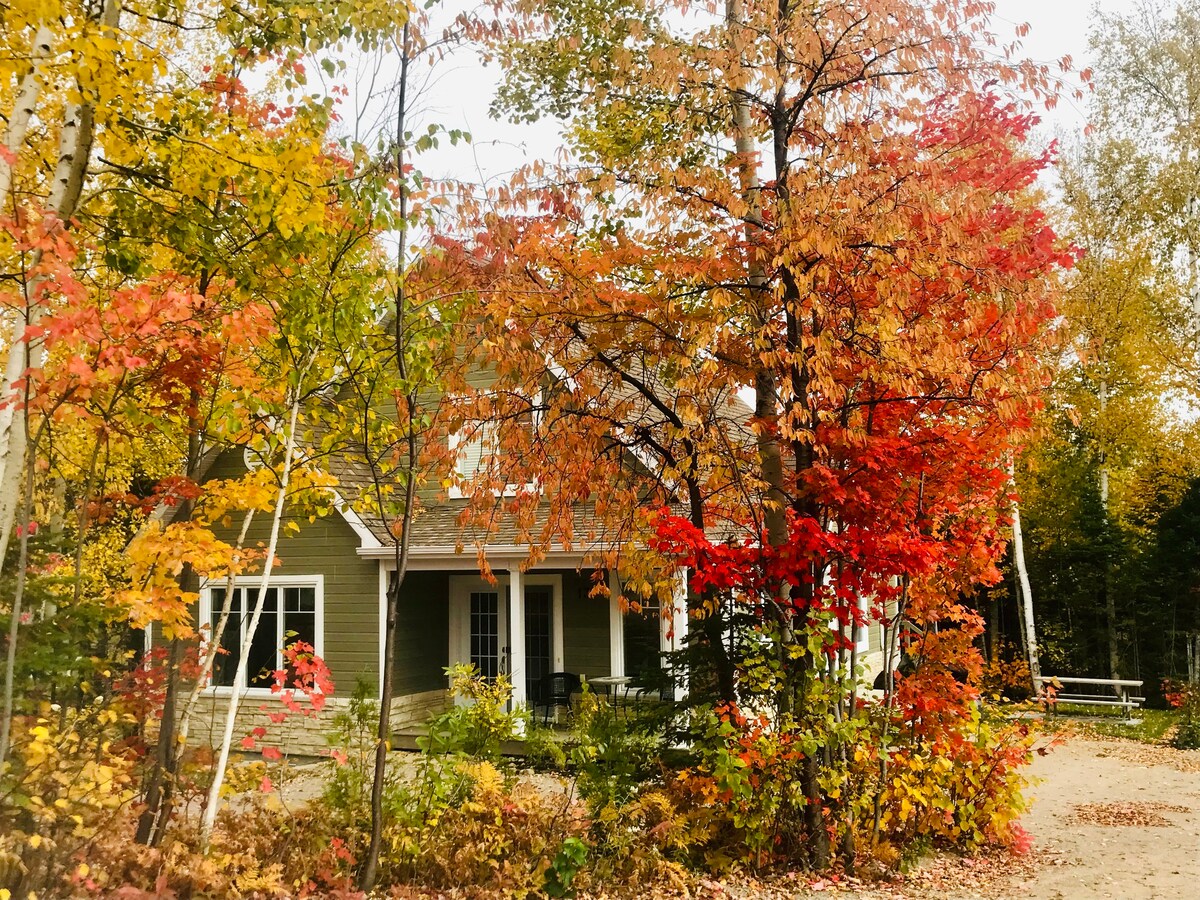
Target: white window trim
column 458, row 438
column 863, row 643
column 317, row 582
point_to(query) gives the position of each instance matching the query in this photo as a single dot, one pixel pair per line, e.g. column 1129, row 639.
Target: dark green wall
column 422, row 633
column 585, row 627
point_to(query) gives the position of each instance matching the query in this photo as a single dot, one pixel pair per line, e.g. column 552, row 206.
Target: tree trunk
column 29, row 90
column 10, row 659
column 74, row 151
column 214, row 792
column 1110, row 599
column 1029, row 623
column 209, row 657
column 383, row 736
column 766, row 411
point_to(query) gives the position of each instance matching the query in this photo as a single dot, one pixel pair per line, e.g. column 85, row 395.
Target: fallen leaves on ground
column 1134, row 813
column 1143, row 754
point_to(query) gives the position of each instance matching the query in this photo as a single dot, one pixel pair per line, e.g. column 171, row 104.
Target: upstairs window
column 477, row 450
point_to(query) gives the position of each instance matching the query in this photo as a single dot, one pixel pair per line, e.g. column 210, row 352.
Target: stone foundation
column 299, row 735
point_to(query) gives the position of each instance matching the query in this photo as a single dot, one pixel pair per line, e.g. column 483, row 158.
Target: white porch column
column 679, row 629
column 616, row 626
column 384, row 579
column 516, row 637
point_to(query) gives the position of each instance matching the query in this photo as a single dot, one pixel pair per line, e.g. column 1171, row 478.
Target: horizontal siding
column 585, row 627
column 325, row 547
column 874, row 637
column 422, row 633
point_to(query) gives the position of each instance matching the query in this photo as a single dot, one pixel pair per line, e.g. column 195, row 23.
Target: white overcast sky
column 462, row 90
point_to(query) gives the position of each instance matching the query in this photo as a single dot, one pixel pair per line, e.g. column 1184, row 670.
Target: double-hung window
column 292, row 613
column 477, row 446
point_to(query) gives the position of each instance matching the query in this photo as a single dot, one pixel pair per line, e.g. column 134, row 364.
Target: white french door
column 479, row 625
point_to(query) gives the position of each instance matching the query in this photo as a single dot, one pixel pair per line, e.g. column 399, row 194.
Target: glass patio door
column 487, row 633
column 539, row 636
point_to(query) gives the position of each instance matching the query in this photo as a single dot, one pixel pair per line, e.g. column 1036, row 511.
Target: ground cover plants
column 617, row 808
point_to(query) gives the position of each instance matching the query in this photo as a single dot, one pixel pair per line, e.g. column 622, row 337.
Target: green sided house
column 329, row 589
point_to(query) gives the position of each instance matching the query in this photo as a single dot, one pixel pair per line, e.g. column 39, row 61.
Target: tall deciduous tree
column 824, row 202
column 1127, row 367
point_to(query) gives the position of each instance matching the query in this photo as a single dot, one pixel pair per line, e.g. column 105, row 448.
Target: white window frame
column 317, row 582
column 863, row 644
column 480, row 431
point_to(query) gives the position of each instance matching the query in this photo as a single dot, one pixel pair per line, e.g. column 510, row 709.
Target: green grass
column 1151, row 728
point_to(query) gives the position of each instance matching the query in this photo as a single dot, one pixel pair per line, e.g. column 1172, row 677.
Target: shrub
column 542, row 749
column 743, row 788
column 1007, row 676
column 64, row 784
column 963, row 790
column 499, row 837
column 1185, row 697
column 612, row 757
column 566, row 865
column 479, row 726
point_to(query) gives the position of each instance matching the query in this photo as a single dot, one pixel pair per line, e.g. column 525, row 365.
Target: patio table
column 611, row 683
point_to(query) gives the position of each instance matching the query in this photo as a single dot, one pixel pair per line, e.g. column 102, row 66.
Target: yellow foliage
column 157, row 557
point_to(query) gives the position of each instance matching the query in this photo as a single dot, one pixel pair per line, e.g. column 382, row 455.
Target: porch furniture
column 664, row 692
column 653, row 684
column 614, row 686
column 555, row 690
column 1118, row 692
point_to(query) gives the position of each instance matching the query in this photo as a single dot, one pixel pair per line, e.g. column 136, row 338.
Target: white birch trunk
column 74, row 150
column 1031, row 643
column 27, row 356
column 214, row 792
column 29, row 90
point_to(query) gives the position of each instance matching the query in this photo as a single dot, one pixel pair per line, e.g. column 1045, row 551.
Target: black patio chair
column 555, row 690
column 653, row 684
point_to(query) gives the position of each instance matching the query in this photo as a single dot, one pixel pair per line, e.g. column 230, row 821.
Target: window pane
column 300, row 627
column 471, row 454
column 485, row 636
column 264, row 648
column 225, row 664
column 538, row 636
column 300, row 599
column 642, row 641
column 290, row 611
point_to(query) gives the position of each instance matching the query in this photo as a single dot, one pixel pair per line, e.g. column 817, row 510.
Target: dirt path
column 1113, row 819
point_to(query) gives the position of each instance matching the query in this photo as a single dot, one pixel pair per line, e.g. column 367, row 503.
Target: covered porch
column 527, row 625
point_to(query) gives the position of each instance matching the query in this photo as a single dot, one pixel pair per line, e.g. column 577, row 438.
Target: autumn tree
column 1125, row 370
column 827, row 204
column 187, row 227
column 1146, row 105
